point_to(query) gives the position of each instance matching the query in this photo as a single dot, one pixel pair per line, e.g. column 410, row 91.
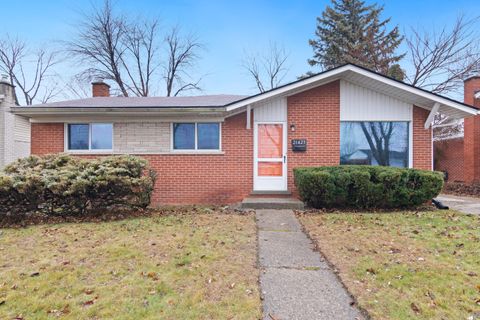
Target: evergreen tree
column 350, row 31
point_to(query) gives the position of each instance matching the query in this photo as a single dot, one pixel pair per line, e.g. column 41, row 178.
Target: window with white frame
column 384, row 143
column 89, row 136
column 196, row 136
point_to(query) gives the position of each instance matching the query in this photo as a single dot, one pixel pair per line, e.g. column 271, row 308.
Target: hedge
column 66, row 185
column 362, row 187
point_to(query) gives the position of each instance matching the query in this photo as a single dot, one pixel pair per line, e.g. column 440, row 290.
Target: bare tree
column 31, row 73
column 77, row 87
column 182, row 54
column 141, row 43
column 127, row 52
column 268, row 70
column 100, row 43
column 443, row 60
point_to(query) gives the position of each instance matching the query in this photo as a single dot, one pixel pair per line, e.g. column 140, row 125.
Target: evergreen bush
column 366, row 186
column 66, row 185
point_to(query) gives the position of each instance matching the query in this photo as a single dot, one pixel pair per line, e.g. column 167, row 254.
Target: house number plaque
column 299, row 145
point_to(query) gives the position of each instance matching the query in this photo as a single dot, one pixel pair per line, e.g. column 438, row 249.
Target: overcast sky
column 227, row 28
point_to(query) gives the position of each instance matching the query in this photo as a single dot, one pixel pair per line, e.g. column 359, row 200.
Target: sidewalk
column 296, row 282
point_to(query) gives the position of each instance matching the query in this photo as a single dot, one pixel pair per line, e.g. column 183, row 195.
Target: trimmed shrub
column 364, row 187
column 66, row 185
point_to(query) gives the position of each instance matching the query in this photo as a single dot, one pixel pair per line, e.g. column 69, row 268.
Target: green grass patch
column 193, row 266
column 404, row 265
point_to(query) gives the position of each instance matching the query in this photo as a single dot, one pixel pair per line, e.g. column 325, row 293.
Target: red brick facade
column 422, row 140
column 472, row 134
column 316, row 115
column 198, row 178
column 188, row 178
column 228, row 177
column 47, row 138
column 448, row 156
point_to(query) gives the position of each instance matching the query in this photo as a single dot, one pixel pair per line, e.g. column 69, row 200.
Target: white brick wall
column 14, row 130
column 141, row 137
column 22, row 137
column 16, row 137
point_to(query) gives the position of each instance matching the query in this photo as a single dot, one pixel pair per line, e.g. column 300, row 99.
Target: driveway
column 463, row 204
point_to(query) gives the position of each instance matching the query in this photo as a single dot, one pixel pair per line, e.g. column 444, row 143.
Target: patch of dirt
column 37, row 218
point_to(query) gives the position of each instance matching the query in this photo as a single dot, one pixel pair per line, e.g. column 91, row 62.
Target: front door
column 270, row 156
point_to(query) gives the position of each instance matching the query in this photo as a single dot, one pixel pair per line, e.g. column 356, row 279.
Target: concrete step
column 270, row 194
column 272, row 203
column 266, row 192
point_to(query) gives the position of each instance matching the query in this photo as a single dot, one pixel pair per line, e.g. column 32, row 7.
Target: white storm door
column 270, row 156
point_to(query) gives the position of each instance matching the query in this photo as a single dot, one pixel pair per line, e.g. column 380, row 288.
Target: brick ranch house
column 221, row 148
column 459, row 155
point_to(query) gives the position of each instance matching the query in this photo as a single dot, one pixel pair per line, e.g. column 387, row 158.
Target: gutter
column 133, row 111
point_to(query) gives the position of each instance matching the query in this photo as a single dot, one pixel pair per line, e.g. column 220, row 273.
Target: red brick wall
column 228, row 178
column 448, row 155
column 198, row 178
column 186, row 179
column 422, row 140
column 316, row 115
column 471, row 130
column 47, row 138
column 472, row 134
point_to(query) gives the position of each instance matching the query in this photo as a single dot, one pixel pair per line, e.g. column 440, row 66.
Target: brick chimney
column 100, row 88
column 471, row 140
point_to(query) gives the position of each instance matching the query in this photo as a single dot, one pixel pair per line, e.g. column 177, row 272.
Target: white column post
column 249, row 117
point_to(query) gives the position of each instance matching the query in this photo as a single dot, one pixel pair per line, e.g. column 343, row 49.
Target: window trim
column 89, row 150
column 410, row 136
column 196, row 150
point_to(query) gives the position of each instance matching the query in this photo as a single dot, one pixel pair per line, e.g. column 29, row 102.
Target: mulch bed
column 462, row 189
column 36, row 218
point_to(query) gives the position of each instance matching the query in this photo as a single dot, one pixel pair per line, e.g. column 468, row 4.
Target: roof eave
column 135, row 111
column 335, row 74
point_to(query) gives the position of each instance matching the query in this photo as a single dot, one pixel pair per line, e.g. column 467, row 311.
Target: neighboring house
column 221, row 148
column 449, row 158
column 14, row 129
column 459, row 155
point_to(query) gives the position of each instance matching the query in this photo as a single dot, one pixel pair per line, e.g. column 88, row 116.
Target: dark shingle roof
column 147, row 102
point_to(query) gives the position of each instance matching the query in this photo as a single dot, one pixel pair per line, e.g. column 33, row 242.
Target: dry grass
column 200, row 266
column 404, row 265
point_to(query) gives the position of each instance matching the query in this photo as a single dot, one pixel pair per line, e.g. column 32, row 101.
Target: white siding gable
column 361, row 104
column 271, row 110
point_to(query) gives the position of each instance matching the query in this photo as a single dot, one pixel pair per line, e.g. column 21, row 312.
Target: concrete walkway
column 463, row 204
column 295, row 281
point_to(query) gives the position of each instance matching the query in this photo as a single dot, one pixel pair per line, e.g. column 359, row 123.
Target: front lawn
column 191, row 266
column 404, row 265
